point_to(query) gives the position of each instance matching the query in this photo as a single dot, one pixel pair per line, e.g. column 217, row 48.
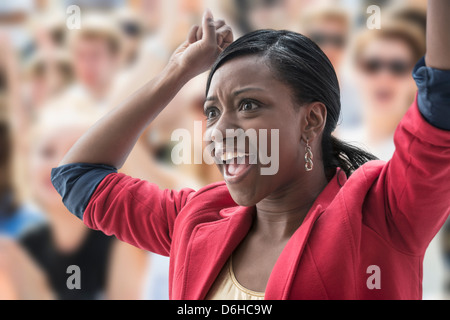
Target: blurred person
column 13, row 17
column 411, row 12
column 323, row 230
column 330, row 28
column 16, row 217
column 46, row 76
column 267, row 13
column 170, row 21
column 275, row 14
column 233, row 12
column 384, row 60
column 109, row 269
column 48, row 30
column 132, row 31
column 94, row 52
column 20, row 276
column 436, row 270
column 151, row 10
column 34, row 77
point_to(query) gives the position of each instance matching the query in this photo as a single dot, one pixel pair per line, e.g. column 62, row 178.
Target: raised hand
column 203, row 45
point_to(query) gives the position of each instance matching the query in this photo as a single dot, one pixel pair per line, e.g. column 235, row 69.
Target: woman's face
column 385, row 80
column 46, row 154
column 244, row 94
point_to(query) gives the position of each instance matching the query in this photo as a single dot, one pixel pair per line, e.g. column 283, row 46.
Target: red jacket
column 371, row 230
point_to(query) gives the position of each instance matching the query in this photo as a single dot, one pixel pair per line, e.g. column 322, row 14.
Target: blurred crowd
column 56, row 81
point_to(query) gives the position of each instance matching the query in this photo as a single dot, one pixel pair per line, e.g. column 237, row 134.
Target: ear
column 315, row 118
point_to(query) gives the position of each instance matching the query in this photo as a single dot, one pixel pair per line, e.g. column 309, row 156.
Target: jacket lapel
column 285, row 269
column 212, row 245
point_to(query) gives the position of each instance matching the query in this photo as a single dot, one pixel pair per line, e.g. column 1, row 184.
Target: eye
column 248, row 105
column 47, row 152
column 211, row 113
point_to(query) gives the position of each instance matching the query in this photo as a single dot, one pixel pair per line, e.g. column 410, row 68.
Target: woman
column 324, row 226
column 109, row 268
column 15, row 217
column 384, row 60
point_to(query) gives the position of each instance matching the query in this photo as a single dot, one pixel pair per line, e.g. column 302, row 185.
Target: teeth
column 230, row 155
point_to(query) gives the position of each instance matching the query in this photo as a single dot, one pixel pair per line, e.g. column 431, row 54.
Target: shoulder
column 362, row 183
column 212, row 196
column 206, row 204
column 366, row 174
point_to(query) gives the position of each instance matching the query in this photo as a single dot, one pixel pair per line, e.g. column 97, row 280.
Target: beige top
column 226, row 287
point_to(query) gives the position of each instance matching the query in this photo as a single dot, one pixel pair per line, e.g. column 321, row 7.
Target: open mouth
column 236, row 165
column 384, row 95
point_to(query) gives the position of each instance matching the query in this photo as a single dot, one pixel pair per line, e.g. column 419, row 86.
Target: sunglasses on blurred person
column 396, row 67
column 263, row 3
column 131, row 29
column 323, row 39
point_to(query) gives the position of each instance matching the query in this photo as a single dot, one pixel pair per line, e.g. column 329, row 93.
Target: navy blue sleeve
column 434, row 94
column 77, row 182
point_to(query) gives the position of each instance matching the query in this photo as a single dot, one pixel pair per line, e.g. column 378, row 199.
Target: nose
column 218, row 132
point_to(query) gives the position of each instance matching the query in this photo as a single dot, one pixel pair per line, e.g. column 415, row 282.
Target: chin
column 244, row 197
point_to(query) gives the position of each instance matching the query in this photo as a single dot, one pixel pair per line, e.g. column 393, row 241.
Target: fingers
column 192, row 35
column 217, row 25
column 209, row 28
column 213, row 32
column 224, row 36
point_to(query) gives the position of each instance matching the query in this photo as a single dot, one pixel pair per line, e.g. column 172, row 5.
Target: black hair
column 302, row 65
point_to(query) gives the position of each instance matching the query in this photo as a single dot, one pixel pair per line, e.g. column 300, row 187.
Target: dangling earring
column 308, row 157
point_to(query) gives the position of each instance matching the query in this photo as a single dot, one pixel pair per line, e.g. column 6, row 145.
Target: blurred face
column 50, row 79
column 151, row 10
column 384, row 74
column 331, row 37
column 244, row 94
column 94, row 63
column 265, row 14
column 46, row 154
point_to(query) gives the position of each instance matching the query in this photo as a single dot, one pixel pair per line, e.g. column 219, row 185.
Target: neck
column 99, row 90
column 381, row 125
column 279, row 215
column 380, row 129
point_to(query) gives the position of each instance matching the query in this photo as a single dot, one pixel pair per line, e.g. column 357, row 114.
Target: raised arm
column 135, row 211
column 415, row 185
column 112, row 138
column 438, row 34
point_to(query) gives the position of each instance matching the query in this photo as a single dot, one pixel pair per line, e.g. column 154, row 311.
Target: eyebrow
column 236, row 93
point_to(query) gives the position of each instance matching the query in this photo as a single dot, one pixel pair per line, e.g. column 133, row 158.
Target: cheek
column 40, row 172
column 283, row 150
column 366, row 82
column 407, row 85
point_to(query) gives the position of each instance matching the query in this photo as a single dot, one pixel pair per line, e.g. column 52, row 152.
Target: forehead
column 56, row 135
column 331, row 26
column 387, row 48
column 250, row 70
column 90, row 42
